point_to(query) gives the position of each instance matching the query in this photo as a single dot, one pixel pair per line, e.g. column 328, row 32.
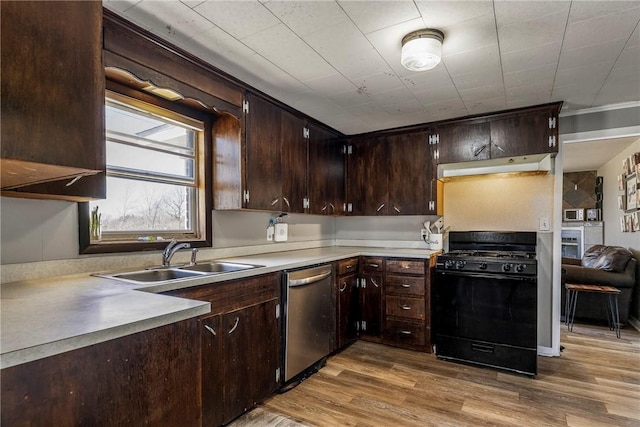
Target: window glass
column 152, row 172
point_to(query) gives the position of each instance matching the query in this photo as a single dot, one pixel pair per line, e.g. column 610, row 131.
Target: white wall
column 611, row 215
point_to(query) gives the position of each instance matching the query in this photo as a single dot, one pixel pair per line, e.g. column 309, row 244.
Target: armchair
column 601, row 265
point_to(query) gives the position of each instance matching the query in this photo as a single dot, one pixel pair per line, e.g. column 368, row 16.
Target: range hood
column 532, row 164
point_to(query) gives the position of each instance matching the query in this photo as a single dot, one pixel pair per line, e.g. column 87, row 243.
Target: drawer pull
column 404, row 285
column 404, row 306
column 349, row 266
column 372, row 265
column 406, row 266
column 405, row 332
column 343, row 288
column 374, row 283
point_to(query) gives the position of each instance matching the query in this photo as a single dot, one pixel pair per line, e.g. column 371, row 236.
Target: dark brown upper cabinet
column 391, row 175
column 326, row 171
column 52, row 100
column 531, row 130
column 276, row 158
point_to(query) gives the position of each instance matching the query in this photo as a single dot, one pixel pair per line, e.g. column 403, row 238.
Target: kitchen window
column 155, row 177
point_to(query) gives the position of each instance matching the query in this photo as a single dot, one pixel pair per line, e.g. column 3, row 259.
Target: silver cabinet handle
column 372, row 265
column 343, row 288
column 406, row 267
column 210, row 329
column 404, row 306
column 235, row 325
column 479, row 150
column 404, row 285
column 380, row 207
column 395, row 208
column 324, row 208
column 333, row 208
column 374, row 283
column 286, row 201
column 274, row 201
column 405, row 332
column 348, row 267
column 498, row 147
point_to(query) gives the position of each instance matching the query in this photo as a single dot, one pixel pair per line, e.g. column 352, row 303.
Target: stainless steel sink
column 218, row 267
column 165, row 275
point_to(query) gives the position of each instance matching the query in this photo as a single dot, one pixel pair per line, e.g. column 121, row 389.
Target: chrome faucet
column 171, row 249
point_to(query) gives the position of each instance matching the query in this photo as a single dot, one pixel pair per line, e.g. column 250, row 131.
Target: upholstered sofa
column 601, row 265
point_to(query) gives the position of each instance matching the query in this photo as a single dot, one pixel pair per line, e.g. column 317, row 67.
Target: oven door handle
column 486, row 276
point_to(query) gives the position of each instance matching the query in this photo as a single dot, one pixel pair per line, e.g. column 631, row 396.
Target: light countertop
column 45, row 317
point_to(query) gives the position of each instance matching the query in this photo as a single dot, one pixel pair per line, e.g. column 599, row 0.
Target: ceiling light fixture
column 422, row 49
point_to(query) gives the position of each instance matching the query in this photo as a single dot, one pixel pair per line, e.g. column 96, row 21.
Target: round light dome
column 422, row 49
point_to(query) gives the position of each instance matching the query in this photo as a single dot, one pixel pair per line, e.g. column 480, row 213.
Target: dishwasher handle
column 308, row 280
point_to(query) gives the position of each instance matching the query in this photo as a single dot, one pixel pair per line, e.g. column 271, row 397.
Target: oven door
column 488, row 319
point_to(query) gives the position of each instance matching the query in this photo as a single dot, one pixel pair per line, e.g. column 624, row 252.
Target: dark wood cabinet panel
column 371, row 306
column 367, row 177
column 403, row 266
column 410, row 173
column 228, row 163
column 212, row 370
column 522, row 133
column 348, row 309
column 52, row 80
column 263, row 169
column 326, row 172
column 294, row 163
column 464, row 141
column 148, row 378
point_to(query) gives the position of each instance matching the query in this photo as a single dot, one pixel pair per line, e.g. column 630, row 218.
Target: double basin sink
column 168, row 274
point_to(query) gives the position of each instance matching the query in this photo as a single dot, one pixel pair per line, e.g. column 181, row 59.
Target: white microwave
column 574, row 214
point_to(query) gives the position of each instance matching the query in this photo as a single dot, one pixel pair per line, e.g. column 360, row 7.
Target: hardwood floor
column 596, row 382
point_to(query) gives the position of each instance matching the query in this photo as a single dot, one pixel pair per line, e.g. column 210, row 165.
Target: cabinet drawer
column 372, row 265
column 404, row 285
column 406, row 332
column 404, row 266
column 412, row 308
column 347, row 266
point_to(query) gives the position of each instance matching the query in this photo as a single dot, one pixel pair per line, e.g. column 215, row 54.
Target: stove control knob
column 483, row 266
column 520, row 268
column 460, row 264
column 506, row 267
column 449, row 263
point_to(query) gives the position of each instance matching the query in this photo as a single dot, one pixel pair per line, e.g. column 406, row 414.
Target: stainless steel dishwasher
column 310, row 321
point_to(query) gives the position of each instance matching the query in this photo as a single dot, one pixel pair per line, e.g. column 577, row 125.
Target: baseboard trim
column 635, row 323
column 547, row 352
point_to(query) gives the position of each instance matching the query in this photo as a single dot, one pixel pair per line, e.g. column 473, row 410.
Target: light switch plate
column 544, row 224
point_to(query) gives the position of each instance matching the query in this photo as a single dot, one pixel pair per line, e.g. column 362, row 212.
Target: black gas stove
column 485, row 300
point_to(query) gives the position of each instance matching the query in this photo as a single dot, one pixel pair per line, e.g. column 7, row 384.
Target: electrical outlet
column 424, row 233
column 544, row 224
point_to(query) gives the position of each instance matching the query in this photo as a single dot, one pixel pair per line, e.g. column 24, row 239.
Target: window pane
column 137, row 158
column 143, row 206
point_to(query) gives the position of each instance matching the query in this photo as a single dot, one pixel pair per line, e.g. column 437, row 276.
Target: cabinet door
column 326, row 172
column 294, row 163
column 367, row 177
column 371, row 305
column 250, row 356
column 263, row 169
column 409, row 174
column 464, row 141
column 212, row 370
column 521, row 133
column 52, row 97
column 348, row 310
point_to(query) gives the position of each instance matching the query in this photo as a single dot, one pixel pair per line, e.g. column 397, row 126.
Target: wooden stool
column 613, row 315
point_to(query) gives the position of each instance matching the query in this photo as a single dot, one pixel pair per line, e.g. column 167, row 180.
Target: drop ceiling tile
column 410, row 106
column 610, row 27
column 607, row 51
column 593, row 74
column 622, row 85
column 469, row 35
column 470, row 96
column 487, row 105
column 469, row 61
column 282, row 47
column 528, row 101
column 239, row 18
column 634, row 40
column 586, row 10
column 536, row 32
column 478, row 78
column 576, row 96
column 119, row 5
column 173, row 21
column 350, row 98
column 533, row 90
column 379, row 82
column 512, row 12
column 331, row 84
column 534, row 57
column 445, row 110
column 348, row 50
column 440, row 14
column 306, row 17
column 545, row 73
column 437, row 94
column 383, row 15
column 419, row 81
column 393, row 96
column 630, row 56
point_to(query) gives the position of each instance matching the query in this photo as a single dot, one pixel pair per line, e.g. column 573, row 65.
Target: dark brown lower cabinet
column 240, row 342
column 149, row 378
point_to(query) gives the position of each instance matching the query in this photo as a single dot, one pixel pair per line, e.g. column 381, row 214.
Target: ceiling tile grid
column 344, row 56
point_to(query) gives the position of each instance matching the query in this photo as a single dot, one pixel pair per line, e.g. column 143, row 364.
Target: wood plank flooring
column 596, row 382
